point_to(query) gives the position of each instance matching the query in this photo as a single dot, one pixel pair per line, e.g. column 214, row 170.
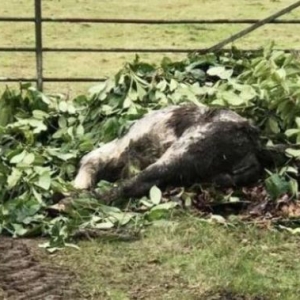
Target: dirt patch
column 22, row 276
column 228, row 295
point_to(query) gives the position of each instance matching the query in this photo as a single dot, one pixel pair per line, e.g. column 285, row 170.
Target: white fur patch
column 180, row 147
column 230, row 116
column 83, row 179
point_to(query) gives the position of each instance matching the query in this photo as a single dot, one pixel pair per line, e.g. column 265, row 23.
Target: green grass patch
column 189, row 259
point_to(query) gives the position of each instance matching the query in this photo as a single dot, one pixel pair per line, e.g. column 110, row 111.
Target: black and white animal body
column 176, row 146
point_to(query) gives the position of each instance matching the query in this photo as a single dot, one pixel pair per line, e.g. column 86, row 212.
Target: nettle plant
column 43, row 137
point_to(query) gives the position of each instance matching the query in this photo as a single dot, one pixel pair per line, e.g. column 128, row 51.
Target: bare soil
column 23, row 276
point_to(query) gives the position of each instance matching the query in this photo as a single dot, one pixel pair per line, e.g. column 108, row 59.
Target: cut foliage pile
column 42, row 137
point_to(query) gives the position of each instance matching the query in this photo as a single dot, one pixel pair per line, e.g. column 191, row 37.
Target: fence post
column 39, row 44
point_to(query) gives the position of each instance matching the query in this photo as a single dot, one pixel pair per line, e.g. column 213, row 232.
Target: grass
column 189, row 260
column 123, row 35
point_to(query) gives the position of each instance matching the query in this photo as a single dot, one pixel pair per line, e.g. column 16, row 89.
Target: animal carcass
column 176, row 146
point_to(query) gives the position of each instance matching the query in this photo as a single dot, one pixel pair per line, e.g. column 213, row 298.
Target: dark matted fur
column 179, row 145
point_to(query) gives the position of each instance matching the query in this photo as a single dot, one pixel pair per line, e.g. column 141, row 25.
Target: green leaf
column 273, row 125
column 100, row 87
column 18, row 158
column 44, row 180
column 86, row 146
column 291, row 230
column 141, row 91
column 165, row 206
column 39, row 114
column 133, row 95
column 173, row 85
column 280, row 74
column 60, row 155
column 217, row 219
column 63, row 106
column 291, row 132
column 71, row 108
column 37, row 195
column 19, row 230
column 105, row 225
column 62, row 122
column 293, row 152
column 157, row 214
column 160, row 211
column 221, row 72
column 80, row 130
column 126, row 219
column 232, row 99
column 294, row 187
column 29, row 159
column 155, row 195
column 144, row 201
column 45, row 99
column 127, row 102
column 162, row 85
column 248, row 93
column 70, row 131
column 14, row 178
column 277, row 186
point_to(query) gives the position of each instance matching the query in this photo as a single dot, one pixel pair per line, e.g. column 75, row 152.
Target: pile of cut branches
column 42, row 137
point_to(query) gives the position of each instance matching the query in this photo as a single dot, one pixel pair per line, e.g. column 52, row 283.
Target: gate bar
column 146, row 21
column 39, row 44
column 253, row 27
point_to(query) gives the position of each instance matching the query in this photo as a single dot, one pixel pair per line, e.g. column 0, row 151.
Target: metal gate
column 38, row 20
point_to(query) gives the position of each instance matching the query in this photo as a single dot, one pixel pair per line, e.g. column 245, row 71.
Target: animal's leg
column 88, row 169
column 247, row 170
column 164, row 171
column 93, row 163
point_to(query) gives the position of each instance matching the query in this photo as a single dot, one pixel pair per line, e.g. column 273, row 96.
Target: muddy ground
column 24, row 276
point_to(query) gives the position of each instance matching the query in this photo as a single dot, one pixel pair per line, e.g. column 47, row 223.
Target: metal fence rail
column 145, row 21
column 38, row 20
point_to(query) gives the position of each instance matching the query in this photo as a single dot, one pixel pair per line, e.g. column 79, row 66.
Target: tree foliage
column 42, row 137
